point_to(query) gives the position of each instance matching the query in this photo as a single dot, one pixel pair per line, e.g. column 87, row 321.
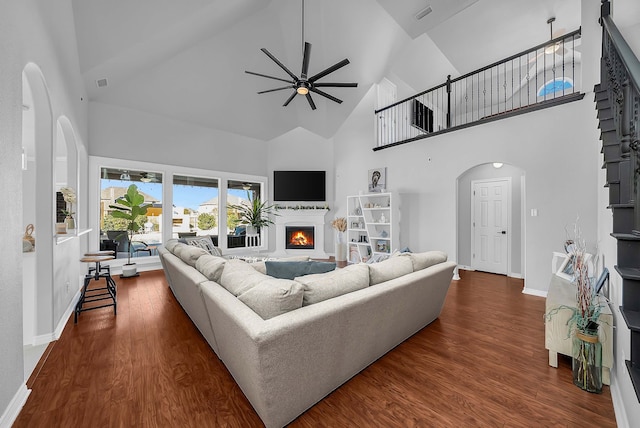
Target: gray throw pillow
column 292, row 269
column 205, row 243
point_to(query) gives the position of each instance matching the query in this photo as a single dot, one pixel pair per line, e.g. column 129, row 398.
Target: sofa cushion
column 323, row 286
column 262, row 267
column 426, row 259
column 171, row 244
column 211, row 267
column 273, row 297
column 290, row 269
column 205, row 243
column 188, row 253
column 389, row 269
column 238, row 277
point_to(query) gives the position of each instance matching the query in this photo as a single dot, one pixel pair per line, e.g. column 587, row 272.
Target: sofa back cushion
column 323, row 286
column 188, row 253
column 238, row 277
column 171, row 244
column 273, row 297
column 291, row 269
column 389, row 269
column 211, row 267
column 426, row 259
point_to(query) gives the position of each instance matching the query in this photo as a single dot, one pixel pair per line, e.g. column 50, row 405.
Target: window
column 196, row 207
column 114, row 183
column 239, row 193
column 560, row 84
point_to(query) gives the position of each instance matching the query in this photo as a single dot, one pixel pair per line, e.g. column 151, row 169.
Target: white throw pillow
column 205, row 243
column 323, row 286
column 273, row 297
column 389, row 269
column 211, row 267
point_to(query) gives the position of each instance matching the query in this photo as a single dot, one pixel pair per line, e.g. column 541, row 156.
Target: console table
column 557, row 338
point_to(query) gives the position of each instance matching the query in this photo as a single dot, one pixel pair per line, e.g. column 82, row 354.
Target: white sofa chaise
column 287, row 363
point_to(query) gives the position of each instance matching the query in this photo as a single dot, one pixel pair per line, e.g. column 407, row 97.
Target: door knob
column 504, row 232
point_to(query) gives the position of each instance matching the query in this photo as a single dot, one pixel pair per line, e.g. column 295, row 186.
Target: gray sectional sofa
column 306, row 347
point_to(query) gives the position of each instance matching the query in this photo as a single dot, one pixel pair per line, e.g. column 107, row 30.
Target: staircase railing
column 618, row 103
column 545, row 75
column 620, row 74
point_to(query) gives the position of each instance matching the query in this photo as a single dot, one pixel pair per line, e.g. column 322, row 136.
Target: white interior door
column 490, row 225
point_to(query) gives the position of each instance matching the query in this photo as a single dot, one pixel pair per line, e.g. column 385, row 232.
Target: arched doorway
column 511, row 179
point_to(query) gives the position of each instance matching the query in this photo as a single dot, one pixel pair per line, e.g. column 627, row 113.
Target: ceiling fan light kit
column 303, row 85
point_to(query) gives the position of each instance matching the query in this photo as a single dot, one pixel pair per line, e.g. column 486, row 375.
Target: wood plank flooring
column 482, row 363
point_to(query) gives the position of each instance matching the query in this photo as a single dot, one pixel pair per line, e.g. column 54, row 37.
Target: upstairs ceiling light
column 554, row 47
column 303, row 85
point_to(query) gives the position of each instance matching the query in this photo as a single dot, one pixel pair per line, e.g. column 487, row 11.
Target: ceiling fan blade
column 282, row 66
column 293, row 95
column 305, row 60
column 311, row 103
column 269, row 77
column 336, row 85
column 324, row 94
column 276, row 89
column 329, row 70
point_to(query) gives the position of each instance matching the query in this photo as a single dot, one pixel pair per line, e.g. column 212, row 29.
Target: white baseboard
column 43, row 339
column 618, row 404
column 13, row 409
column 50, row 337
column 516, row 275
column 534, row 292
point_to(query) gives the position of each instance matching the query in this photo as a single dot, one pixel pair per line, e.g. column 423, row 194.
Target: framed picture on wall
column 377, row 180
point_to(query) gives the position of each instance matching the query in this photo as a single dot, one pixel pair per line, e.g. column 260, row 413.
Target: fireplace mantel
column 300, row 217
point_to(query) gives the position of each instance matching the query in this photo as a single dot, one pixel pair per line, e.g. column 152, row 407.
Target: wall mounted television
column 299, row 186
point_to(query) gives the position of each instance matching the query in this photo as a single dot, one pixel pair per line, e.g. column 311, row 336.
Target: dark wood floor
column 482, row 363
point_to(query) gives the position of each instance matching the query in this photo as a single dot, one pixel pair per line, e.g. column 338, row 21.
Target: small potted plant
column 130, row 207
column 69, row 196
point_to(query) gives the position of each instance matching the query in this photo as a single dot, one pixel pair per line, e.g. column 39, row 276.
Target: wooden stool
column 97, row 294
column 101, row 253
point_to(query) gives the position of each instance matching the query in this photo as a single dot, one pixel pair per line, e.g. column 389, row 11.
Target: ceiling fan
column 557, row 48
column 148, row 177
column 304, row 84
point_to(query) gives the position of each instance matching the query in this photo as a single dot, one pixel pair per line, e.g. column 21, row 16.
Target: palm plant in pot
column 254, row 214
column 130, row 207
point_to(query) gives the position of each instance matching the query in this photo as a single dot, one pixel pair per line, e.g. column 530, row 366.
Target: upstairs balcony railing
column 545, row 75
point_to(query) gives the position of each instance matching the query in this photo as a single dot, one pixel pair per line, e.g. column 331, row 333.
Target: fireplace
column 299, row 237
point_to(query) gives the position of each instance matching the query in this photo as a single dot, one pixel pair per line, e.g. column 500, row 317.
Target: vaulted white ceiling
column 186, row 60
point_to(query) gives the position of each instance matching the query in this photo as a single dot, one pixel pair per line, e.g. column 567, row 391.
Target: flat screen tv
column 303, row 186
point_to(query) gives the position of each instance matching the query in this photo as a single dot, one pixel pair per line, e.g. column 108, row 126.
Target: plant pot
column 587, row 361
column 70, row 222
column 130, row 269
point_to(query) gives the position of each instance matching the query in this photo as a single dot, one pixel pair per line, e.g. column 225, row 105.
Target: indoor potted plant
column 130, row 207
column 254, row 214
column 69, row 196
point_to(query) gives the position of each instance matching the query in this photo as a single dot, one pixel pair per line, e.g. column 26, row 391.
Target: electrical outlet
column 68, row 285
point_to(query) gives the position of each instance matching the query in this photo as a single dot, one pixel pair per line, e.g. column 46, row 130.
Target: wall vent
column 101, row 83
column 424, row 12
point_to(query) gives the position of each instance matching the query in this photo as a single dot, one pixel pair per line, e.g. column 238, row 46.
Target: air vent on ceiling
column 102, row 83
column 424, row 12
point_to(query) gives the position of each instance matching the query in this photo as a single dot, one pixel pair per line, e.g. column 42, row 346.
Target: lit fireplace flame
column 300, row 239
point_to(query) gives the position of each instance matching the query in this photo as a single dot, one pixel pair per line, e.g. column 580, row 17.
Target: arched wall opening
column 515, row 236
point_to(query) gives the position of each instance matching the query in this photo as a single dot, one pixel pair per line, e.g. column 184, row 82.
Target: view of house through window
column 196, row 210
column 114, row 183
column 239, row 193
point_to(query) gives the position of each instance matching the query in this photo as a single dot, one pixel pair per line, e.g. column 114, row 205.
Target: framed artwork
column 377, row 180
column 602, row 286
column 566, row 268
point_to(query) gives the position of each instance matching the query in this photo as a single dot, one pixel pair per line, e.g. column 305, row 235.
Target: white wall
column 555, row 148
column 42, row 33
column 123, row 133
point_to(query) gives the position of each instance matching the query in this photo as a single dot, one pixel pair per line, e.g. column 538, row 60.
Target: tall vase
column 341, row 249
column 587, row 361
column 71, row 223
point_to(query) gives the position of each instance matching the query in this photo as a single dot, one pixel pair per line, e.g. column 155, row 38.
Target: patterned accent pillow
column 205, row 243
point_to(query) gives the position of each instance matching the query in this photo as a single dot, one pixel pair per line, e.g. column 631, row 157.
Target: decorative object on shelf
column 381, row 246
column 129, row 207
column 384, row 234
column 340, row 225
column 28, row 241
column 70, row 198
column 358, row 210
column 61, row 228
column 377, row 179
column 383, row 219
